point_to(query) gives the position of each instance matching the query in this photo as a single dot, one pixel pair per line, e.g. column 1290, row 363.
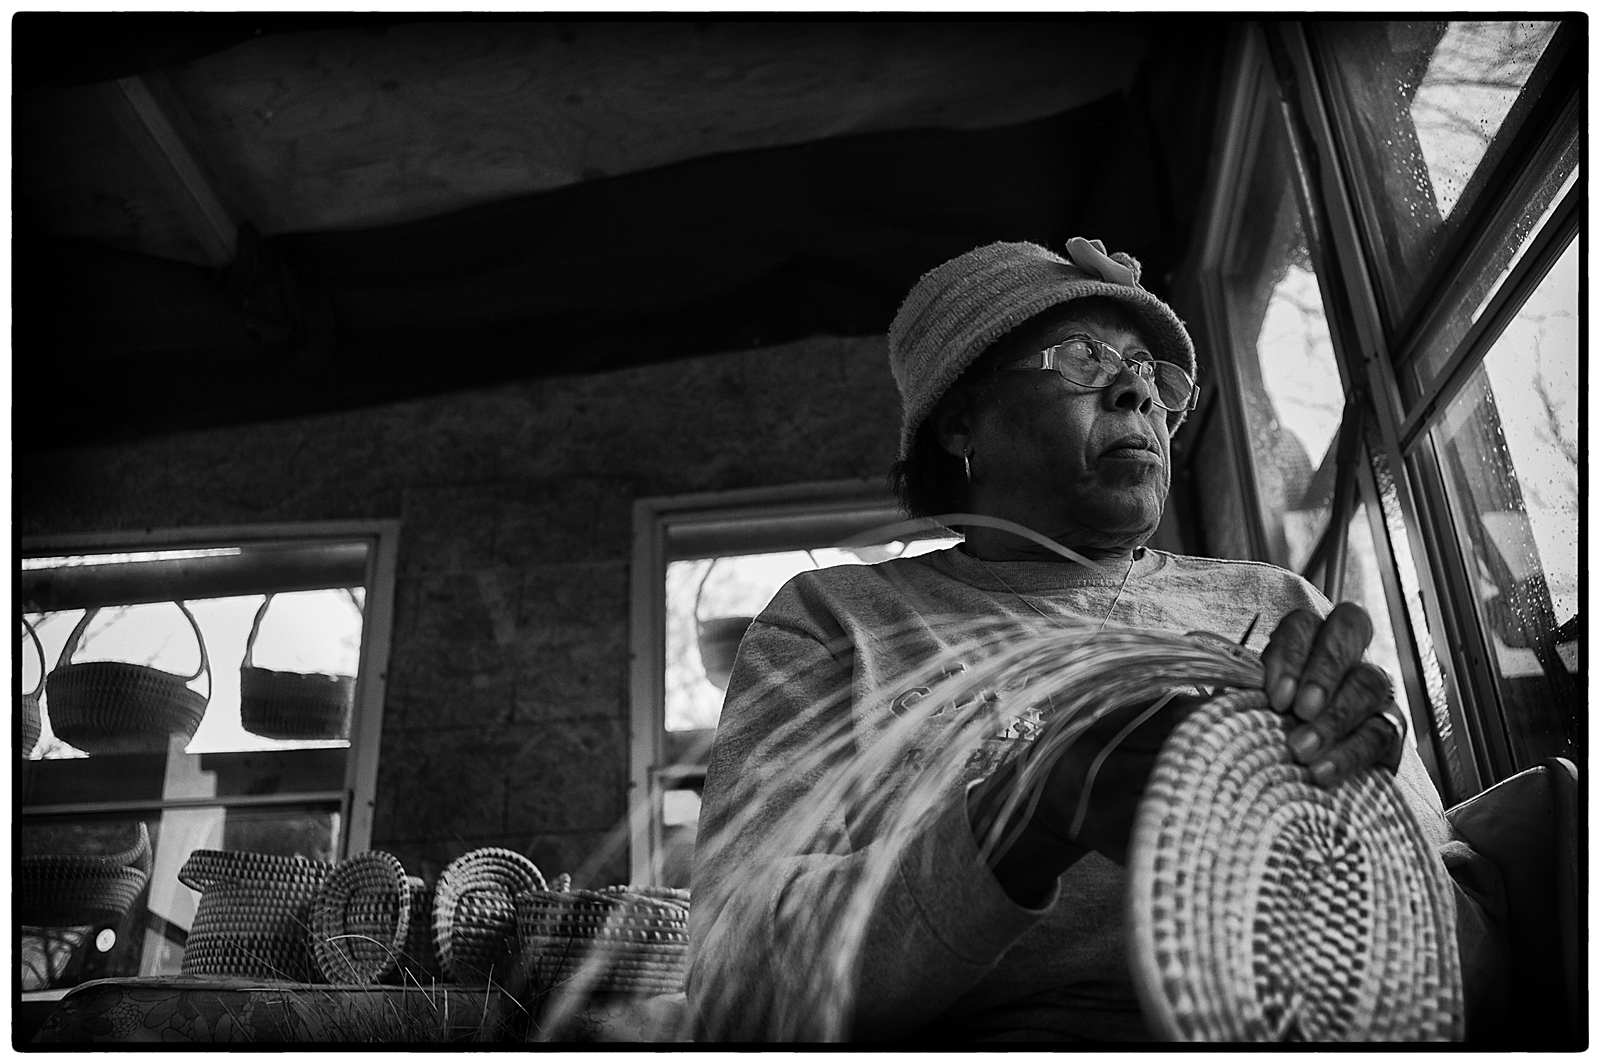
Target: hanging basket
column 362, row 915
column 254, row 916
column 623, row 940
column 73, row 890
column 475, row 913
column 29, row 709
column 1262, row 907
column 115, row 707
column 292, row 705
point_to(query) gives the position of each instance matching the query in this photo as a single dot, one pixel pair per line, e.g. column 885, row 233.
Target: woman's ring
column 1396, row 721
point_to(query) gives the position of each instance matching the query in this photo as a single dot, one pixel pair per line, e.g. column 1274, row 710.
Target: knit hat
column 958, row 309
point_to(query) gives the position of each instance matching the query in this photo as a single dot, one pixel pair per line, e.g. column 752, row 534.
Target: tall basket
column 255, row 914
column 292, row 705
column 116, row 707
column 29, row 708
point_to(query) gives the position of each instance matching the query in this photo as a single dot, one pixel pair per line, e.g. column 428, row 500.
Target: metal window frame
column 357, row 801
column 702, row 525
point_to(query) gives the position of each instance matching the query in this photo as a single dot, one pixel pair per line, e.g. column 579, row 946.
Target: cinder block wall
column 505, row 722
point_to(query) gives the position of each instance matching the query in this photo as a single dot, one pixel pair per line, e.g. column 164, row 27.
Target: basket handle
column 43, row 665
column 255, row 626
column 88, row 615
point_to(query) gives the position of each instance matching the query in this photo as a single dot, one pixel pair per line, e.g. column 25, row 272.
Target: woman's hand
column 1345, row 707
column 1082, row 807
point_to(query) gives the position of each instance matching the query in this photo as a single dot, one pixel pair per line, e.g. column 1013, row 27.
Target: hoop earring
column 966, row 463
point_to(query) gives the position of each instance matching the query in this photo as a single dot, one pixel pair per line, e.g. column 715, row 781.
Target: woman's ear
column 952, row 423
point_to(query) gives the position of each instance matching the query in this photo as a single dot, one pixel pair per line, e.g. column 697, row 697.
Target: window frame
column 703, row 525
column 358, row 796
column 1448, row 672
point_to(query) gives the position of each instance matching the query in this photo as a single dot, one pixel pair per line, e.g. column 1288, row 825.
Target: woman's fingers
column 1307, row 657
column 1363, row 693
column 1369, row 745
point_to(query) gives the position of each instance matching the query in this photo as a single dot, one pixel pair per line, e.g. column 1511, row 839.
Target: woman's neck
column 996, row 545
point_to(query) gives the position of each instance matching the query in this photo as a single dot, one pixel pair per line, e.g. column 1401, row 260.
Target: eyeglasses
column 1092, row 363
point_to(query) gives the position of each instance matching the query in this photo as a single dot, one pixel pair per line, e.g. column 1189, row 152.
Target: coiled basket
column 361, row 918
column 254, row 916
column 74, row 890
column 475, row 913
column 625, row 939
column 291, row 705
column 116, row 707
column 1262, row 907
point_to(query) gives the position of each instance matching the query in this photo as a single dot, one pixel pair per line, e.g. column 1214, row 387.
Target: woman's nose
column 1131, row 391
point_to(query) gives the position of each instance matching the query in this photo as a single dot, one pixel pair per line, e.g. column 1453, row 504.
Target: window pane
column 711, row 600
column 1430, row 108
column 1363, row 585
column 1288, row 377
column 1508, row 444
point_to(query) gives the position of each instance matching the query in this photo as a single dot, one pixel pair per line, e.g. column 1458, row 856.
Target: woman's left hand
column 1345, row 706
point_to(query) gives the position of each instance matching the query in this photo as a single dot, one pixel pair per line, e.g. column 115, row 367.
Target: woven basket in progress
column 361, row 919
column 254, row 916
column 617, row 940
column 1264, row 908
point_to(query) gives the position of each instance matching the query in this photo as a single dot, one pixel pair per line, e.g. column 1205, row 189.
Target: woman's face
column 1088, row 466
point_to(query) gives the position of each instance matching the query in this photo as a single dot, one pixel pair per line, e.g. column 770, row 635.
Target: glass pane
column 1509, row 446
column 1363, row 585
column 1486, row 276
column 1430, row 108
column 711, row 601
column 1288, row 377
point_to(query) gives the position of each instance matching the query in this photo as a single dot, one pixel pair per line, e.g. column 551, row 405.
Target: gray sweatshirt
column 947, row 953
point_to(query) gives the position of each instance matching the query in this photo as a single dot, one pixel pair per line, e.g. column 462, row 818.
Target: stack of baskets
column 254, row 917
column 292, row 705
column 74, row 890
column 622, row 940
column 116, row 707
column 475, row 913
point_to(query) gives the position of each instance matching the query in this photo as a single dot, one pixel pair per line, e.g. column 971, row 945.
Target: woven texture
column 1265, row 908
column 475, row 914
column 957, row 309
column 361, row 918
column 73, row 890
column 617, row 940
column 254, row 916
column 292, row 705
column 115, row 707
column 28, row 708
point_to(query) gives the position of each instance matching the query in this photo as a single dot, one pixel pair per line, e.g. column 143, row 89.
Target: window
column 1393, row 250
column 704, row 566
column 189, row 691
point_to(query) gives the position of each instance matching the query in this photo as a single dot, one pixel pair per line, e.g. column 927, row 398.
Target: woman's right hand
column 1101, row 808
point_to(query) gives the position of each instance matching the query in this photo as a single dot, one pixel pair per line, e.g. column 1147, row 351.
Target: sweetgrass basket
column 1264, row 908
column 254, row 916
column 623, row 940
column 73, row 890
column 291, row 705
column 29, row 708
column 361, row 918
column 475, row 913
column 116, row 707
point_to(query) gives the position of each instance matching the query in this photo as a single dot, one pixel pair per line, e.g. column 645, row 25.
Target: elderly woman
column 1044, row 391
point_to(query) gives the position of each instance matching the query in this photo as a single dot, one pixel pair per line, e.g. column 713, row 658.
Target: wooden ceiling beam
column 153, row 131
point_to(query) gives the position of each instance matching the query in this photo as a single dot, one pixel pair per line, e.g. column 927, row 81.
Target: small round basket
column 1262, row 907
column 254, row 916
column 29, row 707
column 291, row 705
column 72, row 890
column 475, row 913
column 361, row 917
column 620, row 940
column 115, row 707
